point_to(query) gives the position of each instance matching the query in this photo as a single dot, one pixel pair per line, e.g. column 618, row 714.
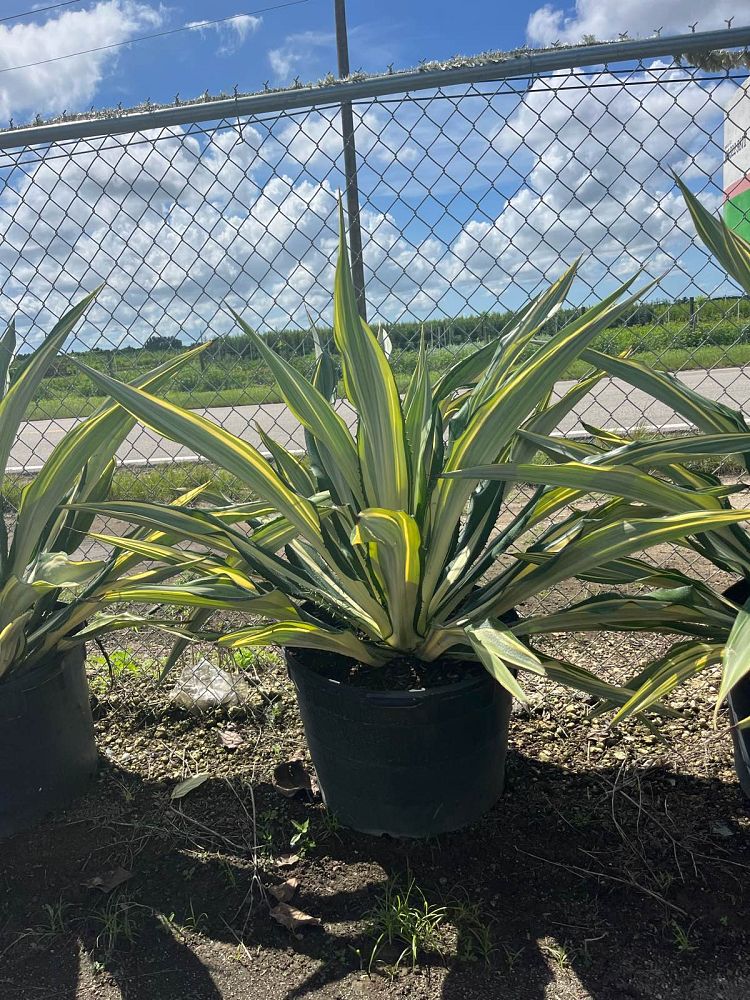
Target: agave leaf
column 499, row 650
column 385, row 341
column 288, row 466
column 75, row 524
column 349, row 595
column 210, row 594
column 494, row 424
column 668, row 451
column 487, row 500
column 275, row 534
column 325, row 381
column 16, row 400
column 613, row 611
column 729, row 248
column 197, row 618
column 576, row 677
column 304, row 635
column 736, row 656
column 513, row 341
column 56, row 569
column 316, row 414
column 682, row 661
column 13, row 642
column 706, row 414
column 371, row 387
column 419, row 427
column 625, row 482
column 92, row 442
column 182, row 558
column 210, row 440
column 190, row 525
column 7, row 352
column 464, row 373
column 608, row 543
column 394, row 547
column 619, row 481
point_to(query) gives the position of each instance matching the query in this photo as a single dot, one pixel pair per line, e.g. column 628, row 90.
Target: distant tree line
column 438, row 333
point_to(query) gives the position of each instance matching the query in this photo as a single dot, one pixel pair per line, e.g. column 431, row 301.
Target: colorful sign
column 737, row 162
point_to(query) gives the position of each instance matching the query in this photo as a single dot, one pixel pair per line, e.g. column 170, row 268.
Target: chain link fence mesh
column 473, row 197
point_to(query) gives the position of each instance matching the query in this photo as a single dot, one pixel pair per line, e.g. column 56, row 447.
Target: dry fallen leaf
column 292, row 777
column 289, row 916
column 285, row 891
column 188, row 785
column 230, row 739
column 108, row 881
column 286, row 860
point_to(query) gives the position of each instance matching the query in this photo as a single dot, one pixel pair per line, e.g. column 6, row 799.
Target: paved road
column 613, row 404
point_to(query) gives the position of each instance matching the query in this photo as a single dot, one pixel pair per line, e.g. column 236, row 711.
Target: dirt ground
column 616, row 865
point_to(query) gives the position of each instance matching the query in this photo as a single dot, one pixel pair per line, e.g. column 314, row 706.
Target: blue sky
column 302, row 39
column 279, row 45
column 276, row 46
column 457, row 217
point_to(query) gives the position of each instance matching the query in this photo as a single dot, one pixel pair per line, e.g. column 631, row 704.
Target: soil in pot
column 47, row 749
column 408, row 749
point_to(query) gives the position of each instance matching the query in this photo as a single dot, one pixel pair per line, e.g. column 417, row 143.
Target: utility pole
column 350, row 163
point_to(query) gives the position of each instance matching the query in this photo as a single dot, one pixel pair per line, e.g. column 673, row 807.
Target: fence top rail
column 528, row 64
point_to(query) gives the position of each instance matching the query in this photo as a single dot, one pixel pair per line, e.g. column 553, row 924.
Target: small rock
column 205, row 685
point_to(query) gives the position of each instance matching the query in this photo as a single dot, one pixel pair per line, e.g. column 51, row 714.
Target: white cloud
column 232, row 34
column 311, row 54
column 301, row 51
column 606, row 19
column 68, row 83
column 467, row 205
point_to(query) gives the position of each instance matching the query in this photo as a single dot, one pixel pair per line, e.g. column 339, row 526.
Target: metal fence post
column 350, row 164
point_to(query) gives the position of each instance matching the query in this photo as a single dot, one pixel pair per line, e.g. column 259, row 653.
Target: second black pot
column 738, row 701
column 47, row 749
column 407, row 763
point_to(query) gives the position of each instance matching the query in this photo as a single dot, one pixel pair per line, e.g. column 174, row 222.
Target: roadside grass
column 160, row 483
column 250, row 384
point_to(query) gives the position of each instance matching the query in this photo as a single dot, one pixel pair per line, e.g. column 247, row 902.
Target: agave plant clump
column 717, row 627
column 46, row 596
column 378, row 544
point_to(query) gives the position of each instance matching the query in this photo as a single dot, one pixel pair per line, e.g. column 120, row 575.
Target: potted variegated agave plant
column 718, row 624
column 47, row 749
column 368, row 561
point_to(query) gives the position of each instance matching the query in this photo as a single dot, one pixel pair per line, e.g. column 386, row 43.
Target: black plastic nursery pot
column 412, row 763
column 47, row 750
column 739, row 702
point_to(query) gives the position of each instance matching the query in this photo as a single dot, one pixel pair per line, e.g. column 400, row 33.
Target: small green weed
column 54, row 921
column 115, row 665
column 474, row 932
column 268, row 823
column 405, row 918
column 193, row 922
column 558, row 953
column 511, row 957
column 683, row 937
column 329, row 825
column 118, row 922
column 302, row 839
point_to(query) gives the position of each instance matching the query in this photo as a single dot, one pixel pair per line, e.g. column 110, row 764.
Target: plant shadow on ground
column 616, row 882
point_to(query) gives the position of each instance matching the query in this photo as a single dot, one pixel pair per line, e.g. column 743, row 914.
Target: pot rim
column 292, row 655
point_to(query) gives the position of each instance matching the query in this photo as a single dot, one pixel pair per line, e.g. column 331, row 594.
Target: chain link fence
column 478, row 184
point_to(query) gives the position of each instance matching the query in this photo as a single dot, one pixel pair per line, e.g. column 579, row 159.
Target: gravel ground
column 616, row 864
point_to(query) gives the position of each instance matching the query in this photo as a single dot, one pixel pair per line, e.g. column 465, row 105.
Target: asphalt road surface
column 612, row 404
